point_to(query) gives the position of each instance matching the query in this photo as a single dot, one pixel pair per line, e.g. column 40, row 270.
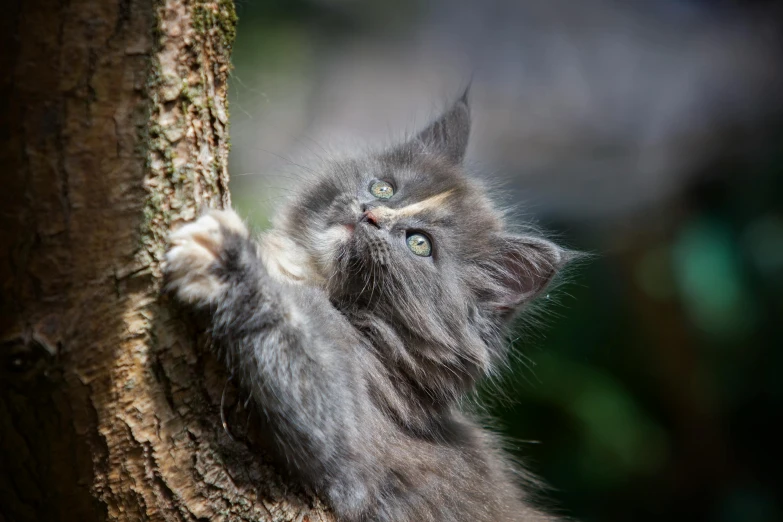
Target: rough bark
column 113, row 128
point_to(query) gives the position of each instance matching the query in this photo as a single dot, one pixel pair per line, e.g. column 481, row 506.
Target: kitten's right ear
column 523, row 267
column 448, row 135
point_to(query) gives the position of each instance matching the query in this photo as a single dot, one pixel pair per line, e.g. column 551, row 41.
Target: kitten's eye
column 382, row 190
column 420, row 245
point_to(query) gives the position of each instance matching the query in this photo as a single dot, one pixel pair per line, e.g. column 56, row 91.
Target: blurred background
column 647, row 133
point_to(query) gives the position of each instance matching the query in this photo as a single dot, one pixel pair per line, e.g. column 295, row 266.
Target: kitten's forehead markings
column 431, row 203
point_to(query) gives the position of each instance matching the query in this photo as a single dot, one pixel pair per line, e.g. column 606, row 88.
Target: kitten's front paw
column 196, row 254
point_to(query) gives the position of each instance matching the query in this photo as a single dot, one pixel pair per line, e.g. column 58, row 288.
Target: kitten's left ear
column 448, row 135
column 524, row 268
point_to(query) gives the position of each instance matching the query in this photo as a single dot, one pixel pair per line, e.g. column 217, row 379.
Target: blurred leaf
column 710, row 279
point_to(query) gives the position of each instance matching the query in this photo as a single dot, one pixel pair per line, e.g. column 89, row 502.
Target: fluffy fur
column 357, row 350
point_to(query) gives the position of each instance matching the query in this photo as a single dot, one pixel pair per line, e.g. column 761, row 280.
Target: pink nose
column 369, row 217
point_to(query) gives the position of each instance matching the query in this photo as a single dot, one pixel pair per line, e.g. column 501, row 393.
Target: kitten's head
column 405, row 237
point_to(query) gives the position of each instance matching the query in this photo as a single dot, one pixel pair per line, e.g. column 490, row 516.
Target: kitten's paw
column 196, row 254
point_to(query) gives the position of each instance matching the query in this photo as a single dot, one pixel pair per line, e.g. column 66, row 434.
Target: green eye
column 382, row 190
column 420, row 245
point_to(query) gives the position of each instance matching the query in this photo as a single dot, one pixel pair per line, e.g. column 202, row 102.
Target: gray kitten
column 381, row 296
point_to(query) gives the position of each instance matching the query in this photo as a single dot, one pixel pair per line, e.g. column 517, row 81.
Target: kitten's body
column 356, row 348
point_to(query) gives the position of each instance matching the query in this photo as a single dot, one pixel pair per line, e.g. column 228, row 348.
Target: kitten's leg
column 288, row 347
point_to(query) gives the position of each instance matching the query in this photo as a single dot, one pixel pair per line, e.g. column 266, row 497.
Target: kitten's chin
column 333, row 239
column 312, row 260
column 328, row 247
column 288, row 261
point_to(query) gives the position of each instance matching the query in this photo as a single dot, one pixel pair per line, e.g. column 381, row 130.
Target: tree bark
column 113, row 129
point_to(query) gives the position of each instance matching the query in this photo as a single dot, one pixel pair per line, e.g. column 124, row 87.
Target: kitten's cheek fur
column 195, row 253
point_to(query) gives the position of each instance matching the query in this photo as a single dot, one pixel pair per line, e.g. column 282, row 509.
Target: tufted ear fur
column 448, row 135
column 523, row 268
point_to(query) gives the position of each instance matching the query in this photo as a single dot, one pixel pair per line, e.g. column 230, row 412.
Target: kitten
column 380, row 297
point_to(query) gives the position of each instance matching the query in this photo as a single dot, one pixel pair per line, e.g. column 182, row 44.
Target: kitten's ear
column 524, row 267
column 448, row 135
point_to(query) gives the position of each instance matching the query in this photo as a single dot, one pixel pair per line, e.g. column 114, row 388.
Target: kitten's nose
column 369, row 217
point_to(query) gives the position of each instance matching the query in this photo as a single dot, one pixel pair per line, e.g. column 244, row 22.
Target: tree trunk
column 113, row 129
